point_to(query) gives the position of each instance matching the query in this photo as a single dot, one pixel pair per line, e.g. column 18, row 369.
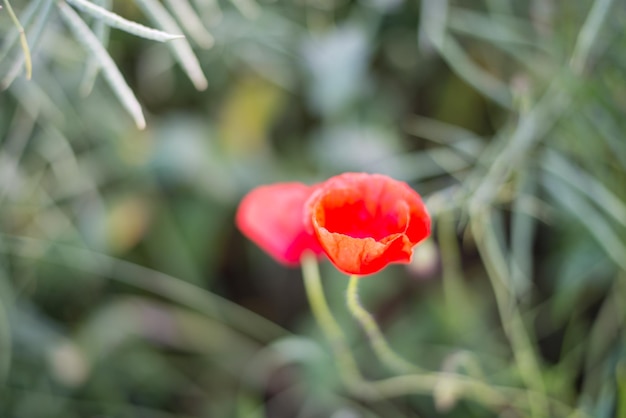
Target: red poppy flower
column 366, row 221
column 272, row 217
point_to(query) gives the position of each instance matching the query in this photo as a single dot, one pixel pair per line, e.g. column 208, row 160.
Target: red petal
column 272, row 217
column 363, row 255
column 366, row 221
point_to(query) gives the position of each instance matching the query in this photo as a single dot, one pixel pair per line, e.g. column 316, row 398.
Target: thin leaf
column 11, row 152
column 36, row 102
column 248, row 8
column 468, row 70
column 513, row 37
column 34, row 36
column 210, row 10
column 191, row 22
column 606, row 327
column 461, row 140
column 432, row 27
column 487, row 227
column 621, row 385
column 13, row 35
column 101, row 30
column 5, row 343
column 600, row 118
column 500, row 7
column 516, row 145
column 585, row 184
column 522, row 237
column 503, row 29
column 588, row 35
column 117, row 21
column 86, row 37
column 423, row 164
column 589, row 217
column 99, row 337
column 180, row 48
column 170, row 288
column 23, row 41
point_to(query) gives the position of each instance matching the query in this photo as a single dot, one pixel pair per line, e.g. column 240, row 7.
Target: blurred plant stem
column 521, row 345
column 315, row 293
column 376, row 339
column 446, row 388
column 588, row 35
column 5, row 344
column 140, row 277
column 454, row 289
column 23, row 40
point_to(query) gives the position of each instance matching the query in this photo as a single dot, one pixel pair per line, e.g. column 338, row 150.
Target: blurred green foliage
column 125, row 290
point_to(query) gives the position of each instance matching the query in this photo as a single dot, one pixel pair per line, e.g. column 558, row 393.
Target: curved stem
column 348, row 368
column 446, row 388
column 378, row 342
column 521, row 345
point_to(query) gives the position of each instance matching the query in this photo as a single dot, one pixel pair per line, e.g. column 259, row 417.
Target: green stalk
column 376, row 339
column 346, row 364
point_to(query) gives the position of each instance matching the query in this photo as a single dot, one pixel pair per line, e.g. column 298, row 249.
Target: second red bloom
column 271, row 216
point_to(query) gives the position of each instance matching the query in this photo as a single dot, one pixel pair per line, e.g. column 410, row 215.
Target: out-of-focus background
column 126, row 290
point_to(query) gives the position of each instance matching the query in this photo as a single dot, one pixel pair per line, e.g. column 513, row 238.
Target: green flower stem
column 378, row 342
column 446, row 388
column 346, row 364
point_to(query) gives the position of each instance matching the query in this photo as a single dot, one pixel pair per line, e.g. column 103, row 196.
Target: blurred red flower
column 366, row 221
column 272, row 217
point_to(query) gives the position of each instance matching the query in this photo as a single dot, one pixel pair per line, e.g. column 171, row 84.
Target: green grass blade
column 155, row 282
column 522, row 237
column 101, row 30
column 468, row 70
column 249, row 8
column 532, row 126
column 5, row 344
column 600, row 118
column 86, row 37
column 209, row 10
column 488, row 229
column 34, row 36
column 432, row 26
column 12, row 36
column 180, row 48
column 501, row 29
column 461, row 140
column 588, row 35
column 118, row 22
column 586, row 184
column 23, row 41
column 589, row 217
column 191, row 22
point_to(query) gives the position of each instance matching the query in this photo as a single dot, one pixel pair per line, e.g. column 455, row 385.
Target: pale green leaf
column 191, row 22
column 86, row 37
column 121, row 23
column 180, row 48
